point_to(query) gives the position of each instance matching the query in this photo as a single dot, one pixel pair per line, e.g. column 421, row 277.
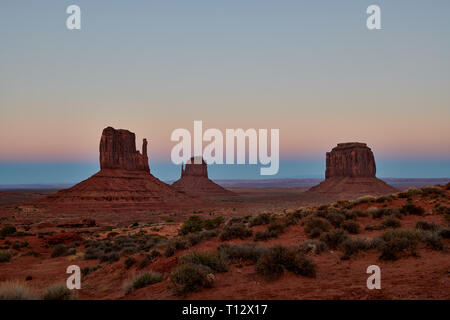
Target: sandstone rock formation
column 350, row 173
column 118, row 151
column 194, row 181
column 124, row 180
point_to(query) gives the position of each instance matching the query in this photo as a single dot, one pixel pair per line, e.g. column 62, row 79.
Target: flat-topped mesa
column 196, row 167
column 118, row 151
column 351, row 159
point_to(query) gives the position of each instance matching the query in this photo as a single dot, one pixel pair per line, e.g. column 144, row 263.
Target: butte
column 124, row 180
column 194, row 181
column 350, row 173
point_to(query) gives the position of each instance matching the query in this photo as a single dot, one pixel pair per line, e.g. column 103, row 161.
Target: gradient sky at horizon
column 309, row 68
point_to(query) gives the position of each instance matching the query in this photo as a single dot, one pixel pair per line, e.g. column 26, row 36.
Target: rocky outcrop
column 350, row 173
column 118, row 151
column 124, row 180
column 194, row 181
column 352, row 159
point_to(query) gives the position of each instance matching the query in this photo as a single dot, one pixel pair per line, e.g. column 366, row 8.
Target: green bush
column 190, row 277
column 7, row 230
column 391, row 222
column 197, row 224
column 313, row 246
column 334, row 238
column 277, row 259
column 214, row 260
column 426, row 226
column 351, row 227
column 314, row 227
column 410, row 208
column 5, row 256
column 58, row 292
column 143, row 280
column 246, row 251
column 235, row 230
column 398, row 241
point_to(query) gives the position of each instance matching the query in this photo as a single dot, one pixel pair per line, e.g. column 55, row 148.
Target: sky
column 308, row 68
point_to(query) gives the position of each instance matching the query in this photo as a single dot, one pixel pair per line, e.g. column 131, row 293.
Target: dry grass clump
column 191, row 277
column 214, row 260
column 315, row 226
column 58, row 292
column 313, row 246
column 235, row 230
column 242, row 252
column 391, row 222
column 351, row 227
column 5, row 256
column 15, row 290
column 334, row 238
column 142, row 280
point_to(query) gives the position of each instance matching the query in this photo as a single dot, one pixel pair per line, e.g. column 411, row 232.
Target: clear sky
column 310, row 68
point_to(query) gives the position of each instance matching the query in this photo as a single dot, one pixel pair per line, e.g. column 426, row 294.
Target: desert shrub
column 246, row 251
column 197, row 237
column 351, row 227
column 351, row 215
column 143, row 280
column 354, row 246
column 32, row 253
column 5, row 256
column 129, row 262
column 365, row 199
column 410, row 192
column 87, row 270
column 433, row 191
column 175, row 245
column 92, row 254
column 430, row 226
column 334, row 238
column 359, row 213
column 445, row 233
column 17, row 245
column 384, row 199
column 14, row 290
column 214, row 260
column 235, row 230
column 274, row 229
column 377, row 213
column 335, row 218
column 372, row 227
column 7, row 230
column 410, row 208
column 58, row 292
column 398, row 241
column 110, row 257
column 313, row 246
column 190, row 277
column 61, row 250
column 433, row 239
column 440, row 209
column 291, row 219
column 391, row 222
column 314, row 227
column 197, row 224
column 277, row 259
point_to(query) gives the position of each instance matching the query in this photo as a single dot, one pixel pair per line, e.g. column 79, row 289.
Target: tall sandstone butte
column 194, row 181
column 118, row 151
column 124, row 180
column 350, row 172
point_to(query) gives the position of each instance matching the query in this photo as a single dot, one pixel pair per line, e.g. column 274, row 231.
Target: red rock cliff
column 352, row 159
column 195, row 170
column 118, row 151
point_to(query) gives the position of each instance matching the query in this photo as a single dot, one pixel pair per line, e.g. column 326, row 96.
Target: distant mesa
column 350, row 172
column 124, row 179
column 194, row 181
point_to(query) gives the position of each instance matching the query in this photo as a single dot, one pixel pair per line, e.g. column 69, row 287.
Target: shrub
column 5, row 256
column 432, row 190
column 351, row 226
column 214, row 260
column 129, row 262
column 7, row 230
column 197, row 224
column 143, row 280
column 314, row 227
column 397, row 241
column 365, row 199
column 360, row 213
column 354, row 246
column 87, row 270
column 61, row 250
column 13, row 290
column 58, row 292
column 235, row 230
column 391, row 222
column 426, row 226
column 110, row 257
column 214, row 223
column 409, row 193
column 190, row 277
column 335, row 218
column 278, row 258
column 445, row 233
column 313, row 246
column 334, row 238
column 410, row 208
column 274, row 230
column 433, row 240
column 246, row 251
column 175, row 245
